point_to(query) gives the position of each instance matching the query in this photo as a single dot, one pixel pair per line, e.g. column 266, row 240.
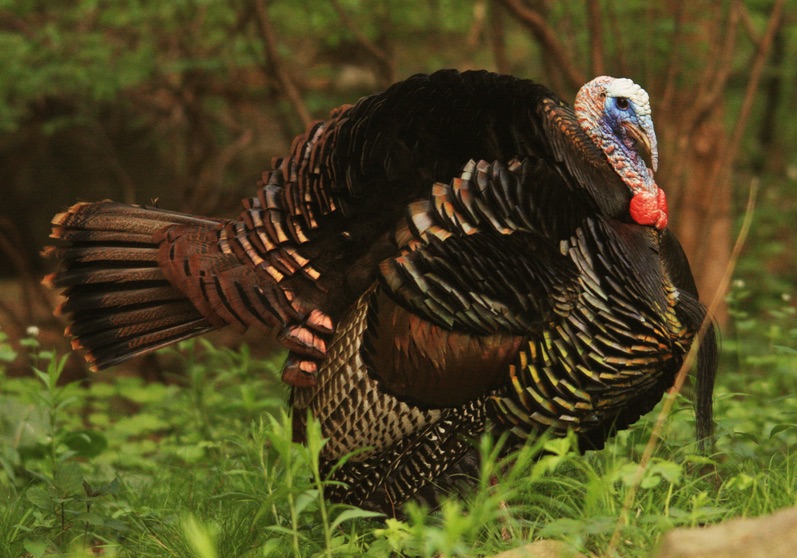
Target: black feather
column 449, row 255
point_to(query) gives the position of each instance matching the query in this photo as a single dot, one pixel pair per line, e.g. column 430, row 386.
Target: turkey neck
column 625, row 135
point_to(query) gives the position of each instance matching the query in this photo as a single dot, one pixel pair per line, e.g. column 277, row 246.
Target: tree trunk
column 702, row 216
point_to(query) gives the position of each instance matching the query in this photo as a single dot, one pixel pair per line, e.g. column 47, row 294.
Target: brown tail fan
column 120, row 301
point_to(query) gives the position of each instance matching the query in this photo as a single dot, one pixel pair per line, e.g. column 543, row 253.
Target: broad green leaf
column 355, row 513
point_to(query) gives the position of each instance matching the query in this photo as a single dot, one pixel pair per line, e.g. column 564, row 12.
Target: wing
column 477, row 274
column 309, row 243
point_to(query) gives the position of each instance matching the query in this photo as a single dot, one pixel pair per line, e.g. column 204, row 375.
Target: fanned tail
column 121, row 303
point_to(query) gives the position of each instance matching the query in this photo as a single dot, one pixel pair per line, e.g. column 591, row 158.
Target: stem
column 595, row 25
column 758, row 62
column 547, row 39
column 387, row 67
column 63, row 525
column 322, row 505
column 292, row 502
column 294, row 522
column 689, row 361
column 276, row 66
column 497, row 38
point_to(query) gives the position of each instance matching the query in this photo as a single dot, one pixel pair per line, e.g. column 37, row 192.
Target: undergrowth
column 205, row 467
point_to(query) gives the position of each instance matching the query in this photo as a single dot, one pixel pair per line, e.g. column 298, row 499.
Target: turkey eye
column 622, row 103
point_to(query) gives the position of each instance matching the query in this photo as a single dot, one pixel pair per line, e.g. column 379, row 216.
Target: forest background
column 186, row 102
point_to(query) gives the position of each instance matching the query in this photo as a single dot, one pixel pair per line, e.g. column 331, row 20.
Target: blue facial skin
column 635, row 133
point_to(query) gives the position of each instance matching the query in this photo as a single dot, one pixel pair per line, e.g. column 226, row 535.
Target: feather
column 458, row 252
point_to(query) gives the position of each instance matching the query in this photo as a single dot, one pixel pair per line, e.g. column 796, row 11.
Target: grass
column 205, row 468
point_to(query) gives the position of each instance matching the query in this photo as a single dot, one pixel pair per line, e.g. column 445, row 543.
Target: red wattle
column 649, row 208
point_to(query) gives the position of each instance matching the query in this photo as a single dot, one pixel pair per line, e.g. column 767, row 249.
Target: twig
column 476, row 30
column 547, row 39
column 723, row 167
column 275, row 64
column 680, row 378
column 498, row 38
column 714, row 85
column 706, row 101
column 647, row 40
column 595, row 24
column 212, row 174
column 565, row 28
column 773, row 92
column 112, row 159
column 677, row 152
column 11, row 244
column 684, row 129
column 759, row 60
column 381, row 56
column 674, row 60
column 747, row 23
column 619, row 50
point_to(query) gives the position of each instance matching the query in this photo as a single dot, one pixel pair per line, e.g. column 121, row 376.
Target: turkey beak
column 645, row 138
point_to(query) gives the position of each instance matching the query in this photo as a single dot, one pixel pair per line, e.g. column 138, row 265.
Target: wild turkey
column 458, row 253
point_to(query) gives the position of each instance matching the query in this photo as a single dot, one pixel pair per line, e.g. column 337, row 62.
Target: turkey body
column 452, row 255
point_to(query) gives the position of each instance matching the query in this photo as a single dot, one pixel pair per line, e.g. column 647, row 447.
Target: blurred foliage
column 174, row 83
column 178, row 101
column 90, row 53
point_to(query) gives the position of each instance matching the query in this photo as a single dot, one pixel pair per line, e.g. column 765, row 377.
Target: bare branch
column 709, row 28
column 565, row 28
column 213, row 174
column 547, row 39
column 382, row 57
column 477, row 27
column 674, row 60
column 759, row 59
column 647, row 41
column 747, row 23
column 274, row 64
column 616, row 35
column 723, row 166
column 12, row 246
column 773, row 94
column 498, row 38
column 686, row 128
column 714, row 85
column 595, row 23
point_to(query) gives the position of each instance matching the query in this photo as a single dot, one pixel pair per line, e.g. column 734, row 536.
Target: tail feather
column 120, row 302
column 115, row 296
column 84, row 276
column 138, row 278
column 178, row 312
column 101, row 236
column 136, row 345
column 106, row 215
column 81, row 252
column 133, row 331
